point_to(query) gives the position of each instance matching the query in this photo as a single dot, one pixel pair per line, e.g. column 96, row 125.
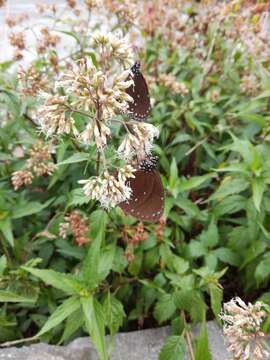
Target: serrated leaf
column 165, row 308
column 216, row 296
column 75, row 158
column 173, row 172
column 191, row 301
column 227, row 256
column 60, row 314
column 173, row 349
column 72, row 34
column 210, row 237
column 179, row 264
column 106, row 262
column 135, row 266
column 230, row 205
column 193, row 182
column 65, row 282
column 262, row 271
column 202, row 351
column 230, row 186
column 3, row 264
column 114, row 312
column 254, row 118
column 30, row 208
column 188, row 206
column 78, row 197
column 258, row 189
column 10, row 296
column 73, row 323
column 95, row 324
column 98, row 220
column 6, row 229
column 196, row 249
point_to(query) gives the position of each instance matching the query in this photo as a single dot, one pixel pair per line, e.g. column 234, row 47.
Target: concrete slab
column 137, row 345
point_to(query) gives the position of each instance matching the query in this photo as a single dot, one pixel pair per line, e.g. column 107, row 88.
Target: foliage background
column 213, row 242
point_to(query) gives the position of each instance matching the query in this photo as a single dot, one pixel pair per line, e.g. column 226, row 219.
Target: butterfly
column 147, row 200
column 139, row 109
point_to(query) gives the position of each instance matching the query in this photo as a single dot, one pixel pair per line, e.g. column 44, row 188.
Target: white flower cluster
column 96, row 131
column 92, row 88
column 113, row 46
column 139, row 142
column 242, row 328
column 53, row 118
column 98, row 91
column 109, row 190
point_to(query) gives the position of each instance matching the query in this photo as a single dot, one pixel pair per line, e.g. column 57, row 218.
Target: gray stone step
column 136, row 345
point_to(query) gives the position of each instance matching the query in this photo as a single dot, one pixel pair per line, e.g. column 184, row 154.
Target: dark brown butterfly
column 147, row 200
column 140, row 108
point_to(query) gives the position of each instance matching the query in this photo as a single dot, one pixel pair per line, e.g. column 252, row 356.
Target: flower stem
column 188, row 336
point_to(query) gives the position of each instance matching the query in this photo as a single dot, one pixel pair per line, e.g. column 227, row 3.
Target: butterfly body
column 139, row 109
column 147, row 200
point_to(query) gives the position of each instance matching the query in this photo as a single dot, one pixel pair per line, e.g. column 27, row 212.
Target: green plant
column 67, row 267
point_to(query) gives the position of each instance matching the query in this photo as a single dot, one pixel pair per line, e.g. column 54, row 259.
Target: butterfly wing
column 147, row 201
column 140, row 108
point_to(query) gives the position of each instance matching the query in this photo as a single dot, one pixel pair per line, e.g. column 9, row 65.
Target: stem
column 77, row 111
column 98, row 163
column 196, row 146
column 122, row 123
column 14, row 342
column 188, row 336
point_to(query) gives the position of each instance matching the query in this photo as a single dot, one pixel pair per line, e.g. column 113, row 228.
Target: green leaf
column 263, row 95
column 179, row 264
column 72, row 34
column 165, row 308
column 230, row 186
column 188, row 206
column 90, row 269
column 75, row 158
column 3, row 264
column 120, row 260
column 92, row 56
column 30, row 208
column 210, row 237
column 258, row 188
column 173, row 173
column 106, row 262
column 5, row 65
column 192, row 302
column 114, row 312
column 135, row 266
column 196, row 249
column 211, row 261
column 10, row 296
column 227, row 256
column 216, row 296
column 65, row 282
column 262, row 271
column 6, row 229
column 77, row 197
column 95, row 324
column 254, row 118
column 255, row 249
column 202, row 351
column 73, row 323
column 194, row 182
column 230, row 205
column 60, row 314
column 173, row 349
